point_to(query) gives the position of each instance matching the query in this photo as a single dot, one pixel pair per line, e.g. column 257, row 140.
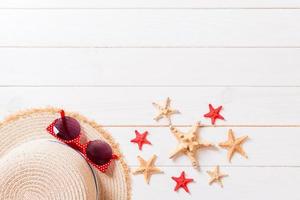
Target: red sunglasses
column 68, row 130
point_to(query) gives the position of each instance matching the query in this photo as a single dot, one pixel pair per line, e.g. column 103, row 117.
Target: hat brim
column 31, row 125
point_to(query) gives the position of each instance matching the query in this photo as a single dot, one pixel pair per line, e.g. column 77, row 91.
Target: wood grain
column 265, row 147
column 110, row 59
column 242, row 183
column 148, row 66
column 150, row 28
column 132, row 105
column 149, row 4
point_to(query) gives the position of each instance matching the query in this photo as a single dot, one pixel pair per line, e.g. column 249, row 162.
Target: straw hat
column 35, row 166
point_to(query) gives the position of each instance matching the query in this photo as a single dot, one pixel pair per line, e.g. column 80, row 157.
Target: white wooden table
column 111, row 59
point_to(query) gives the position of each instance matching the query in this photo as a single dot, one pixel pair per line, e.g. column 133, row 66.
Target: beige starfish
column 234, row 145
column 216, row 176
column 165, row 111
column 147, row 168
column 189, row 144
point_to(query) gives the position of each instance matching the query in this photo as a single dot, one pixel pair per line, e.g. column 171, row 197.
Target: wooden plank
column 150, row 28
column 265, row 146
column 242, row 183
column 149, row 4
column 231, row 67
column 133, row 105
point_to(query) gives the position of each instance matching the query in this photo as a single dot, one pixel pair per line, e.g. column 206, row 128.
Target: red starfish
column 214, row 114
column 181, row 182
column 140, row 139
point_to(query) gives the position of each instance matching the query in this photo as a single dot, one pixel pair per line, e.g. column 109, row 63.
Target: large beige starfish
column 189, row 144
column 147, row 168
column 216, row 176
column 234, row 145
column 165, row 111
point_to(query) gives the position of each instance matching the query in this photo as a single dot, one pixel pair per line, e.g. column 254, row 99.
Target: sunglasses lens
column 68, row 128
column 99, row 152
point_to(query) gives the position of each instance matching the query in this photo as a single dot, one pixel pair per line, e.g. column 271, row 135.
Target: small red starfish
column 214, row 113
column 140, row 139
column 181, row 182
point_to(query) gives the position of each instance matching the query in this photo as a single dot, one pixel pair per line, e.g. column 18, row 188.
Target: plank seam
column 207, row 126
column 143, row 86
column 151, row 8
column 143, row 47
column 230, row 166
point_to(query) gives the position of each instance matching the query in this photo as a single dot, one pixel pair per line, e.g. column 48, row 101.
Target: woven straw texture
column 39, row 170
column 24, row 180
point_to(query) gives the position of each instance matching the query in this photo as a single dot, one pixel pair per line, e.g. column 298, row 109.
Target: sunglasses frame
column 75, row 144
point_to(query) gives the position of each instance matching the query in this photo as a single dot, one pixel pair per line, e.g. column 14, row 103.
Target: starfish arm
column 144, row 138
column 230, row 153
column 210, row 113
column 138, row 171
column 168, row 101
column 223, row 175
column 169, row 120
column 147, row 142
column 157, row 106
column 220, row 183
column 211, row 108
column 147, row 177
column 140, row 144
column 142, row 161
column 240, row 150
column 220, row 117
column 186, row 188
column 211, row 181
column 176, row 132
column 134, row 140
column 213, row 121
column 205, row 144
column 219, row 109
column 155, row 170
column 211, row 174
column 207, row 115
column 176, row 179
column 176, row 187
column 152, row 160
column 189, row 180
column 193, row 159
column 158, row 117
column 231, row 135
column 225, row 144
column 241, row 139
column 177, row 151
column 174, row 112
column 138, row 134
column 195, row 128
